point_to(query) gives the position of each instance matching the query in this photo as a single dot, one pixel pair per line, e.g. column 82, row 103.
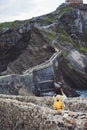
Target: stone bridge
column 38, row 79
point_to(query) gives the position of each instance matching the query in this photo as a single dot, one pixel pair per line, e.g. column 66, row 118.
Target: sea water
column 83, row 93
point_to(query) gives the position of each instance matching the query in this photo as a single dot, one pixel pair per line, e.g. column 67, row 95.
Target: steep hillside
column 21, row 50
column 67, row 31
column 35, row 54
column 24, row 44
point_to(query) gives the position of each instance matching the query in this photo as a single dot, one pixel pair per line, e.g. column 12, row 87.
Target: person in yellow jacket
column 62, row 97
column 58, row 104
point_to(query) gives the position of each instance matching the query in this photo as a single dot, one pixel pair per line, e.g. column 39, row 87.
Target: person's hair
column 54, row 94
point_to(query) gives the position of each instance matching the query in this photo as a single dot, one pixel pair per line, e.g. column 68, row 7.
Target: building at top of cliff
column 74, row 1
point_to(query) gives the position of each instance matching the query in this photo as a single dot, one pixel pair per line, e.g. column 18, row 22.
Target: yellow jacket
column 58, row 105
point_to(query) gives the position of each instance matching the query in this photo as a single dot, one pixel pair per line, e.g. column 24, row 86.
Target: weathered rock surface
column 68, row 91
column 23, row 50
column 71, row 77
column 26, row 113
column 74, row 20
column 12, row 45
column 78, row 61
column 27, row 46
column 34, row 43
column 39, row 79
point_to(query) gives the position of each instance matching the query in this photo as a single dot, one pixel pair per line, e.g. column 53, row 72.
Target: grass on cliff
column 11, row 24
column 64, row 10
column 70, row 66
column 54, row 17
column 50, row 19
column 83, row 49
column 85, row 35
column 64, row 36
column 65, row 53
column 49, row 34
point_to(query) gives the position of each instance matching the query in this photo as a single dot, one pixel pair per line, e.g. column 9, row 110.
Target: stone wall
column 31, row 113
column 11, row 84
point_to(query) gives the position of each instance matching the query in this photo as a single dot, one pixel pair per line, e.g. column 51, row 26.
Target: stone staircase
column 38, row 79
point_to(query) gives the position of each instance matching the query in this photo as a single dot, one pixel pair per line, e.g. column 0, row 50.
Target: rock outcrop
column 12, row 45
column 73, row 41
column 25, row 52
column 73, row 78
column 38, row 80
column 78, row 61
column 37, row 40
column 26, row 113
column 24, row 49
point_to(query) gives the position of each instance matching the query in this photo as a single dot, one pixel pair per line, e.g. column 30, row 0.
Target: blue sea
column 83, row 93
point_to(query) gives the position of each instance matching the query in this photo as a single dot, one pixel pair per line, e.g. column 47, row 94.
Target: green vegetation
column 49, row 34
column 50, row 19
column 64, row 36
column 66, row 9
column 64, row 53
column 85, row 35
column 74, row 6
column 11, row 24
column 44, row 22
column 70, row 66
column 83, row 49
column 5, row 25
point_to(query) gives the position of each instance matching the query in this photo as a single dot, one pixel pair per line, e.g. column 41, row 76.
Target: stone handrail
column 11, row 84
column 45, row 64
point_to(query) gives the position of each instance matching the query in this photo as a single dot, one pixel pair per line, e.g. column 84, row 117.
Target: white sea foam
column 83, row 93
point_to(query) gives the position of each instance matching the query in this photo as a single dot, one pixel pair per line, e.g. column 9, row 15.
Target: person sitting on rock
column 58, row 104
column 61, row 97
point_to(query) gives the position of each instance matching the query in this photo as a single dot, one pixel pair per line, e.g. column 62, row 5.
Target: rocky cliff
column 22, row 48
column 26, row 44
column 32, row 42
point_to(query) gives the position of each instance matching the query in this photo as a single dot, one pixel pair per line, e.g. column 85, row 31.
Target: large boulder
column 73, row 78
column 78, row 61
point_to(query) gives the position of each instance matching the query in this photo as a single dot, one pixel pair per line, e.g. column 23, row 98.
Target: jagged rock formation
column 35, row 42
column 38, row 80
column 25, row 48
column 32, row 44
column 77, row 60
column 75, row 24
column 69, row 23
column 73, row 21
column 74, row 79
column 34, row 54
column 12, row 45
column 26, row 113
